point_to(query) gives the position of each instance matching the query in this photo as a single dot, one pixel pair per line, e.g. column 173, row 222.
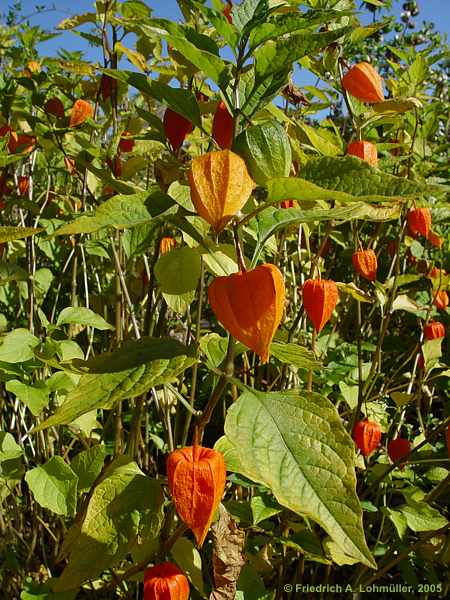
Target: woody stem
column 228, row 369
column 239, row 254
column 313, row 348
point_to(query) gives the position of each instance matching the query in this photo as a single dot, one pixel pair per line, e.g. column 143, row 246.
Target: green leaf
column 11, row 464
column 250, row 585
column 34, row 591
column 281, row 24
column 17, row 346
column 249, row 13
column 420, row 516
column 403, row 302
column 54, row 486
column 87, row 465
column 134, row 9
column 270, row 220
column 402, row 398
column 77, row 20
column 297, row 446
column 396, row 105
column 131, row 371
column 432, row 351
column 337, row 556
column 35, row 397
column 299, row 189
column 398, row 519
column 125, row 504
column 266, row 150
column 188, row 558
column 354, row 176
column 178, row 271
column 9, row 233
column 295, row 355
column 181, row 101
column 9, row 449
column 319, row 141
column 355, row 292
column 220, row 259
column 274, row 60
column 263, row 507
column 209, row 64
column 82, row 316
column 135, row 58
column 120, row 211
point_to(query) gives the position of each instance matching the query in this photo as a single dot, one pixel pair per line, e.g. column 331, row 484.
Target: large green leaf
column 123, row 506
column 297, row 188
column 120, row 211
column 354, row 176
column 54, row 486
column 297, row 446
column 270, row 220
column 127, row 373
column 281, row 24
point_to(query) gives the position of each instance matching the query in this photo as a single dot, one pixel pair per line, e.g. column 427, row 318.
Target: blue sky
column 437, row 11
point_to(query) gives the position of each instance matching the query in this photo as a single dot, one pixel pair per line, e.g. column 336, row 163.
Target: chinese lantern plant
column 218, row 345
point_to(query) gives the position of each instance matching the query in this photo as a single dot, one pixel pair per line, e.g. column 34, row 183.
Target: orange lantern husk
column 434, row 330
column 196, row 477
column 365, row 264
column 70, row 165
column 176, row 128
column 126, row 143
column 367, row 436
column 250, row 305
column 365, row 151
column 227, row 11
column 398, row 448
column 288, row 204
column 11, row 135
column 220, row 186
column 25, row 143
column 320, row 297
column 165, row 581
column 81, row 110
column 54, row 107
column 441, row 300
column 223, row 126
column 167, row 244
column 419, row 221
column 108, row 85
column 23, row 184
column 435, row 239
column 363, row 82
